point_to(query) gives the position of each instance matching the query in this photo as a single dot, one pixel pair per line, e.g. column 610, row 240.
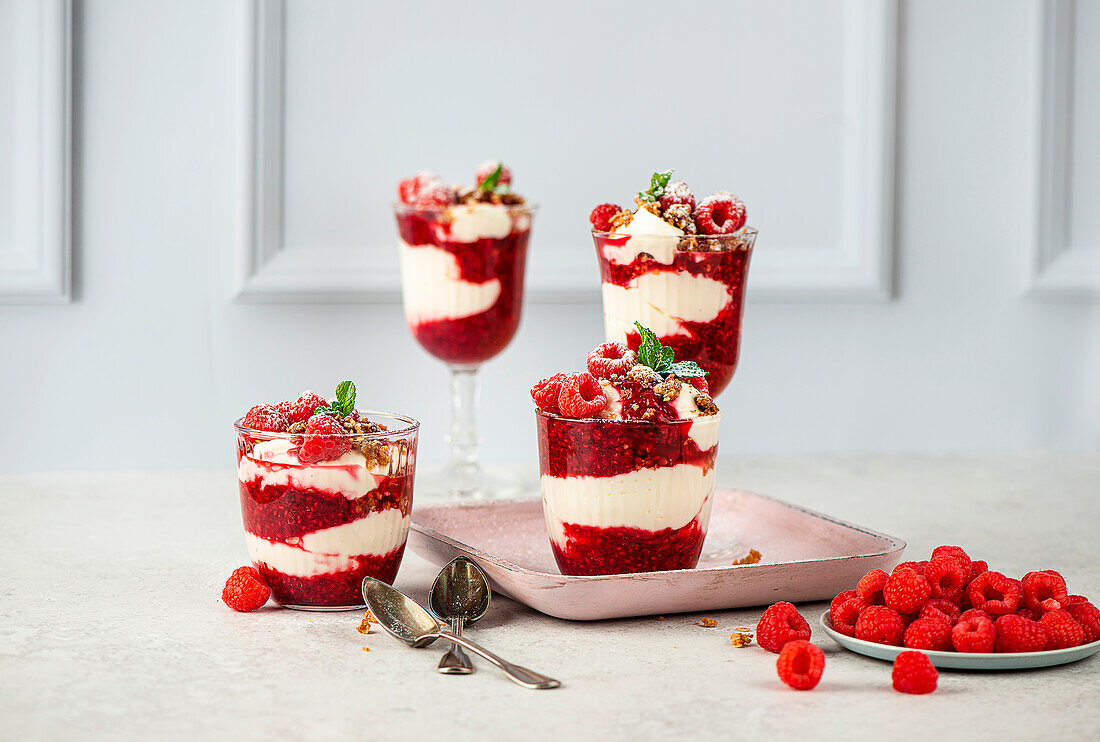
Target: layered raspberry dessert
column 463, row 256
column 326, row 493
column 678, row 267
column 626, row 456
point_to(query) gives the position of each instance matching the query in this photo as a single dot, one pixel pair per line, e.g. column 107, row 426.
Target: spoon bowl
column 460, row 591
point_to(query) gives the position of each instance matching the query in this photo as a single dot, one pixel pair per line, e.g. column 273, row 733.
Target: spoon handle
column 455, row 661
column 519, row 675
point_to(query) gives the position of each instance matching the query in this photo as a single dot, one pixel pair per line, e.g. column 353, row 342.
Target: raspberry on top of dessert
column 463, row 254
column 678, row 266
column 326, row 495
column 626, row 455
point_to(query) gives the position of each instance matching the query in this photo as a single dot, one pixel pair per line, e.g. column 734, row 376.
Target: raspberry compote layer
column 692, row 299
column 624, row 496
column 462, row 272
column 314, row 531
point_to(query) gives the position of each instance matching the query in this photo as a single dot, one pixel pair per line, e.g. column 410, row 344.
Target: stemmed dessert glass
column 462, row 271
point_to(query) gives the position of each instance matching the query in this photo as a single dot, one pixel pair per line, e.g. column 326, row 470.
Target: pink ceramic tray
column 806, row 556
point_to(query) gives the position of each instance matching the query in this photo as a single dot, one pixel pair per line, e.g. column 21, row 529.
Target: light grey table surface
column 111, row 624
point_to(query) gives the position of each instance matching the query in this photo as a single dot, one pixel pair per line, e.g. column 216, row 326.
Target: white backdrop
column 224, row 253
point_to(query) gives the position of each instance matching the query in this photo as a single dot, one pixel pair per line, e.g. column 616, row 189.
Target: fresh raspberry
column 677, row 192
column 880, row 625
column 435, row 196
column 1019, row 634
column 601, row 216
column 1062, row 630
column 800, row 664
column 953, row 551
column 1088, row 616
column 265, row 417
column 994, row 593
column 581, row 396
column 610, row 358
column 245, row 590
column 324, row 440
column 941, row 609
column 720, row 213
column 1044, row 590
column 870, row 586
column 781, row 623
column 409, row 189
column 1074, row 600
column 914, row 673
column 845, row 615
column 840, row 598
column 906, row 590
column 1028, row 613
column 918, row 566
column 972, row 612
column 974, row 633
column 929, row 633
column 545, row 393
column 977, row 567
column 487, row 168
column 947, row 577
column 302, row 409
column 700, row 383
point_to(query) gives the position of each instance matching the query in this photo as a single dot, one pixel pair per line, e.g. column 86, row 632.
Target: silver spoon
column 403, row 617
column 460, row 595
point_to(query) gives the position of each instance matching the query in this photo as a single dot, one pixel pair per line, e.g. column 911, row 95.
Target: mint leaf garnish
column 657, row 183
column 661, row 358
column 490, row 183
column 343, row 404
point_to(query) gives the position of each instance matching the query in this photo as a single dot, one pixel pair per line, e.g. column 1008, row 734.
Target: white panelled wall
column 924, row 176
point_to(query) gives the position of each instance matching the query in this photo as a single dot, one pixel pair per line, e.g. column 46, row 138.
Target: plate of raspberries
column 965, row 616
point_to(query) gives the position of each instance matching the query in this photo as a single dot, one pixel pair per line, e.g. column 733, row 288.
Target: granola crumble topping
column 752, row 557
column 705, row 404
column 669, row 389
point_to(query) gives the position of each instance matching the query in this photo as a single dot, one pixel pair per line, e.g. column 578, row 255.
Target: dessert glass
column 692, row 298
column 624, row 496
column 314, row 531
column 462, row 272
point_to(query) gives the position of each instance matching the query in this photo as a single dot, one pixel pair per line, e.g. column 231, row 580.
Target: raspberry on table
column 914, row 673
column 581, row 396
column 974, row 633
column 245, row 590
column 779, row 624
column 677, row 192
column 1044, row 590
column 906, row 590
column 800, row 664
column 487, row 168
column 600, row 218
column 545, row 393
column 840, row 598
column 265, row 417
column 720, row 213
column 1019, row 634
column 928, row 633
column 610, row 358
column 940, row 608
column 947, row 577
column 324, row 440
column 994, row 593
column 953, row 551
column 1088, row 615
column 1062, row 630
column 880, row 625
column 869, row 588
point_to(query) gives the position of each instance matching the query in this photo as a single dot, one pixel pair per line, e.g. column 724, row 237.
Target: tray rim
column 894, row 545
column 979, row 661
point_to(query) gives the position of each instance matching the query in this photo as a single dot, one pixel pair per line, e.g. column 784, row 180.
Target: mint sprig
column 343, row 404
column 657, row 183
column 490, row 184
column 660, row 358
